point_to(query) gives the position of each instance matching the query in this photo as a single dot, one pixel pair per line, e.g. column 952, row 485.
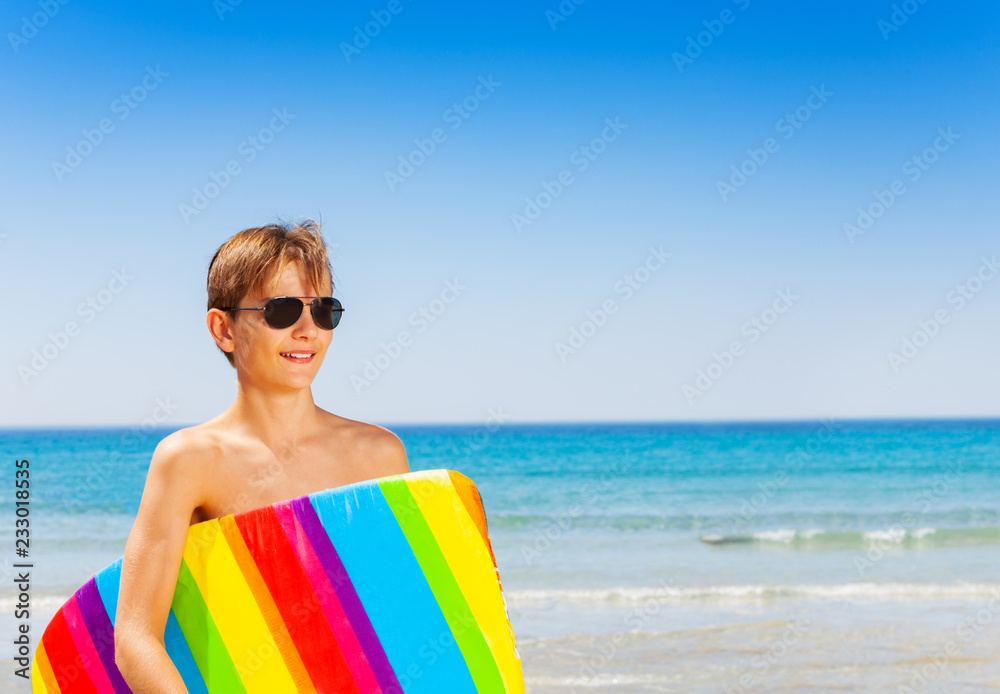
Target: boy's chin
column 300, row 383
column 283, row 376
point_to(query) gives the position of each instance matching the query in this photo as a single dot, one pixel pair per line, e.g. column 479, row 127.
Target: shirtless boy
column 272, row 444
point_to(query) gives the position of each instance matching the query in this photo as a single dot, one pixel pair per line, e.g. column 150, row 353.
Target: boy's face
column 263, row 354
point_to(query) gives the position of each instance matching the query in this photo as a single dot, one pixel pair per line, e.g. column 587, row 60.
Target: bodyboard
column 383, row 586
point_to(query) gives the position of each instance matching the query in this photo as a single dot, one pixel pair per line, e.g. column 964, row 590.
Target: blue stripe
column 393, row 590
column 108, row 581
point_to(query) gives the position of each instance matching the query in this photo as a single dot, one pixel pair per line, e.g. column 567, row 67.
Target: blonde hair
column 245, row 262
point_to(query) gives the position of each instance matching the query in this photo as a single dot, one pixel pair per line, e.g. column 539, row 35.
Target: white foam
column 783, row 536
column 41, row 602
column 876, row 591
column 891, row 535
column 598, row 680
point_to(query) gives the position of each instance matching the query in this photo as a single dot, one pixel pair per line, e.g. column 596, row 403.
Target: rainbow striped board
column 388, row 585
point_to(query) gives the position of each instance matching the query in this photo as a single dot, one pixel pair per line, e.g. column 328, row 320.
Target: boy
column 272, row 444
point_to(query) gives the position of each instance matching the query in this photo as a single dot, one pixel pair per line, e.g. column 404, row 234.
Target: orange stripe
column 268, row 608
column 283, row 574
column 469, row 495
column 45, row 668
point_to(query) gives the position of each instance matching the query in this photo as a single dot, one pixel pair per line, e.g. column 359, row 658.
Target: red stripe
column 296, row 600
column 339, row 622
column 70, row 673
column 85, row 645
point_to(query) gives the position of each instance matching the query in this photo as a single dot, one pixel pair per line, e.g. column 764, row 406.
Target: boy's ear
column 221, row 329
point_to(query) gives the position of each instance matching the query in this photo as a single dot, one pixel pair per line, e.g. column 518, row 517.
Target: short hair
column 250, row 258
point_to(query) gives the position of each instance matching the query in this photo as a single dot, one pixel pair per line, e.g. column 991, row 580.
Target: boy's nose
column 306, row 323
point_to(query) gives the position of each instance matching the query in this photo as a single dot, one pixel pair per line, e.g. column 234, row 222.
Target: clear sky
column 617, row 193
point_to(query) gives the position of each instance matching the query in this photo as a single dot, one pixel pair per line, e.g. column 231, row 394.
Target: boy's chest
column 260, row 480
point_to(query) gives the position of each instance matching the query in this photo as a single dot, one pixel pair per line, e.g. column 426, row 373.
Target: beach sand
column 925, row 646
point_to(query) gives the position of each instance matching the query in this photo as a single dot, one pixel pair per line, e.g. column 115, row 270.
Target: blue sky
column 823, row 107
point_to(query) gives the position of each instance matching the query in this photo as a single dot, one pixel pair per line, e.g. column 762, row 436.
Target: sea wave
column 883, row 538
column 634, row 595
column 722, row 522
column 10, row 600
column 603, row 680
column 627, row 595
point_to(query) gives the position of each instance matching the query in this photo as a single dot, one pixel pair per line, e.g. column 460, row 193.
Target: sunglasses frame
column 314, row 306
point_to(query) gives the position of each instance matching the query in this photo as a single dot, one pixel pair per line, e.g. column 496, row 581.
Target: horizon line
column 576, row 422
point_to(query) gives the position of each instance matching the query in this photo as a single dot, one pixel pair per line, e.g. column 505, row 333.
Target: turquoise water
column 662, row 533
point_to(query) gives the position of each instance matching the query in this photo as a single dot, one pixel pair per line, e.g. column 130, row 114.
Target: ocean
column 652, row 557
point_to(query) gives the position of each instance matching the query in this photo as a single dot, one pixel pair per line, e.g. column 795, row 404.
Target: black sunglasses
column 284, row 311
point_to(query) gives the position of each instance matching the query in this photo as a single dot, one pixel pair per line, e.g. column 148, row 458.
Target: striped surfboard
column 388, row 585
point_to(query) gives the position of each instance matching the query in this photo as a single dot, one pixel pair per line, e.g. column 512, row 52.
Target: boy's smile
column 300, row 357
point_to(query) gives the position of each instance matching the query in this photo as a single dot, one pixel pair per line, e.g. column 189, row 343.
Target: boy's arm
column 151, row 565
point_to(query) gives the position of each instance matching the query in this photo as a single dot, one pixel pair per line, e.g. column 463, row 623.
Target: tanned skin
column 272, row 444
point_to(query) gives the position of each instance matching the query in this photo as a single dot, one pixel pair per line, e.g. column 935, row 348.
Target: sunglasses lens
column 326, row 312
column 282, row 312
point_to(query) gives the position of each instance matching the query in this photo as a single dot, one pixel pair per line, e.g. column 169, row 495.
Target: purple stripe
column 102, row 632
column 349, row 600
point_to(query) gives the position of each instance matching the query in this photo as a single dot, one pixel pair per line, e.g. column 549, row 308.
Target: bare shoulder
column 186, row 456
column 190, row 447
column 376, row 448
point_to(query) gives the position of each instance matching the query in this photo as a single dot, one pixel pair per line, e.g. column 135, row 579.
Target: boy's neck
column 278, row 418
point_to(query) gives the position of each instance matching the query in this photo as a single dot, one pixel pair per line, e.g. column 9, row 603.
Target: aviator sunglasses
column 283, row 311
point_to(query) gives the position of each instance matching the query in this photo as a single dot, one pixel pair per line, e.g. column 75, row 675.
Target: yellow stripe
column 231, row 603
column 473, row 568
column 42, row 678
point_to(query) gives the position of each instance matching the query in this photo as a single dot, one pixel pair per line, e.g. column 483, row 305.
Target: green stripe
column 469, row 637
column 203, row 637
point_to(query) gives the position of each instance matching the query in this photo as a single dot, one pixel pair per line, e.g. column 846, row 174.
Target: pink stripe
column 85, row 646
column 361, row 670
